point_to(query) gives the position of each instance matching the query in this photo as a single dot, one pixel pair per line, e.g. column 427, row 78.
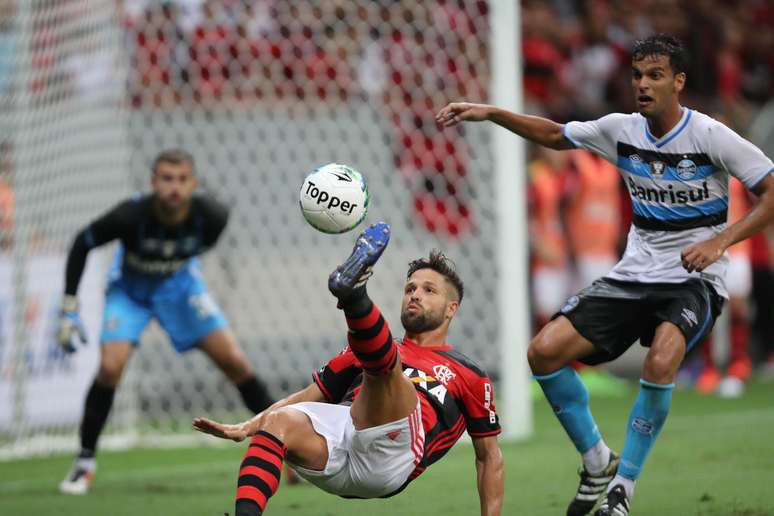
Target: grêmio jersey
column 455, row 394
column 678, row 186
column 150, row 248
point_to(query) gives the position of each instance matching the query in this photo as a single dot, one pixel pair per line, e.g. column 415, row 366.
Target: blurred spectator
column 593, row 216
column 594, row 64
column 407, row 58
column 551, row 280
column 419, row 64
column 739, row 281
column 763, row 300
column 575, row 52
column 209, row 69
column 543, row 59
column 92, row 71
column 160, row 56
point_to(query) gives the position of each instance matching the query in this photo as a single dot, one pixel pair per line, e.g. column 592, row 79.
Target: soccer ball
column 334, row 198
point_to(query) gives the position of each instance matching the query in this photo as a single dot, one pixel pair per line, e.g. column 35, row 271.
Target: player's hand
column 457, row 112
column 698, row 257
column 236, row 433
column 70, row 325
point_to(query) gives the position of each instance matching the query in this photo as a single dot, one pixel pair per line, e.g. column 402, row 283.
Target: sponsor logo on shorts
column 570, row 305
column 642, row 426
column 690, row 317
column 204, row 305
column 393, row 435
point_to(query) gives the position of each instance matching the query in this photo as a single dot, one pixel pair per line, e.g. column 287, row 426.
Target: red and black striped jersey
column 456, row 394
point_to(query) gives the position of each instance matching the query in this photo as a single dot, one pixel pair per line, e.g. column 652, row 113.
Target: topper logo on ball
column 322, row 197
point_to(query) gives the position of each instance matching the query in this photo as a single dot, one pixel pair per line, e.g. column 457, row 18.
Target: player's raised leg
column 647, row 416
column 550, row 353
column 387, row 395
column 99, row 400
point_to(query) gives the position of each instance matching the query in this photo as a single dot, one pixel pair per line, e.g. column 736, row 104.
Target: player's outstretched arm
column 534, row 128
column 699, row 256
column 241, row 431
column 490, row 473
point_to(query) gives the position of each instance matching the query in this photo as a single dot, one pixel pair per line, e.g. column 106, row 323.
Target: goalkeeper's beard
column 420, row 321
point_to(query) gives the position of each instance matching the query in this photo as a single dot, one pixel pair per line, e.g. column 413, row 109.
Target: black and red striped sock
column 259, row 474
column 369, row 334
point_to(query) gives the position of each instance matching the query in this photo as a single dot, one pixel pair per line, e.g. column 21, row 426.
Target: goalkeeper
column 155, row 274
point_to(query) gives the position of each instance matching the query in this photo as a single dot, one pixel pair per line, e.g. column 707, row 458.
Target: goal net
column 260, row 93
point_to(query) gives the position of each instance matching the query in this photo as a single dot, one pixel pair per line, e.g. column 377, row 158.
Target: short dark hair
column 662, row 45
column 174, row 156
column 438, row 262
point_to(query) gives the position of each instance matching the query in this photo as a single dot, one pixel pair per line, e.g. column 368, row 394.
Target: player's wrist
column 724, row 241
column 70, row 303
column 246, row 428
column 490, row 113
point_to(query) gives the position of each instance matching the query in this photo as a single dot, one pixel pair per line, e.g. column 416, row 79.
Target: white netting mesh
column 260, row 93
column 64, row 154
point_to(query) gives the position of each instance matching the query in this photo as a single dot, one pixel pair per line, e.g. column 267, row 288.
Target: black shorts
column 613, row 314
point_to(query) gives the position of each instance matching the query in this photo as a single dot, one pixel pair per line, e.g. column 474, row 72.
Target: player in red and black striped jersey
column 455, row 393
column 381, row 412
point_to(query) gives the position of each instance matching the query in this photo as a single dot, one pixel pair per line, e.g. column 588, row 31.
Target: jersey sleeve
column 336, row 377
column 478, row 406
column 215, row 219
column 740, row 157
column 111, row 225
column 598, row 136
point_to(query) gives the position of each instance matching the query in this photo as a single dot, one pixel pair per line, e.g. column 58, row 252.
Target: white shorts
column 739, row 276
column 366, row 463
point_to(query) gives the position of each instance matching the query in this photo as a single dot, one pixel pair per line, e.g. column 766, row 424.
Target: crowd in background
column 413, row 57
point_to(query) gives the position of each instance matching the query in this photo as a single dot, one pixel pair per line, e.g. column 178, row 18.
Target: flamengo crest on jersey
column 678, row 185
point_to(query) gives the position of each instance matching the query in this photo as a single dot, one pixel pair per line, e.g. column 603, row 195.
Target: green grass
column 714, row 458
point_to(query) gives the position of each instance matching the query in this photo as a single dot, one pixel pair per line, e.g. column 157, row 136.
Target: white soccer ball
column 334, row 198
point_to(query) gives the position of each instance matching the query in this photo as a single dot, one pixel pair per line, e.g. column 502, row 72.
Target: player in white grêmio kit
column 668, row 288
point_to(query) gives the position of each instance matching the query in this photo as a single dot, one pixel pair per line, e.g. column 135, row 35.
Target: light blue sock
column 645, row 421
column 569, row 398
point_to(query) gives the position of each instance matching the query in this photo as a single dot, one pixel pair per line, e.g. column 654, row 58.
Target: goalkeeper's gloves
column 70, row 324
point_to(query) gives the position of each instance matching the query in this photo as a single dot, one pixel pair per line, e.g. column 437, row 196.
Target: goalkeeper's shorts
column 180, row 303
